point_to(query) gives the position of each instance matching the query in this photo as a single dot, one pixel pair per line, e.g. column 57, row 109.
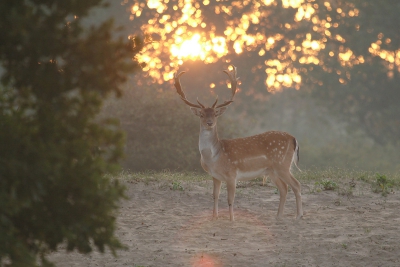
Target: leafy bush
column 382, row 185
column 176, row 185
column 327, row 184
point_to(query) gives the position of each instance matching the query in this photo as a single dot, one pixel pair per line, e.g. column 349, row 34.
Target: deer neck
column 209, row 144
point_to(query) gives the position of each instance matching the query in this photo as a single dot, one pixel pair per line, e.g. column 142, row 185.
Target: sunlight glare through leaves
column 179, row 31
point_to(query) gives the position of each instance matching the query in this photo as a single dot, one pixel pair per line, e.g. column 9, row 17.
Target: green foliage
column 53, row 151
column 161, row 131
column 327, row 184
column 176, row 185
column 382, row 185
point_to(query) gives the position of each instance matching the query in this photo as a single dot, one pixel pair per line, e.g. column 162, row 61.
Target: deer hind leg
column 231, row 188
column 288, row 178
column 297, row 191
column 283, row 190
column 217, row 188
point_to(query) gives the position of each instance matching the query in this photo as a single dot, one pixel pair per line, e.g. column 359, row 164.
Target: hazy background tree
column 359, row 74
column 54, row 152
column 161, row 131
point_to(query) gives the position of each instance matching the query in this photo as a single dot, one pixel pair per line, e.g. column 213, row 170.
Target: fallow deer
column 268, row 154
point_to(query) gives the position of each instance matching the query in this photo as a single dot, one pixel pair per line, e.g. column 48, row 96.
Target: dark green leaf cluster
column 54, row 152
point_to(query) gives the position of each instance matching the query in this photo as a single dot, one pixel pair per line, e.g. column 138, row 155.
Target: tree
column 362, row 85
column 54, row 151
column 347, row 53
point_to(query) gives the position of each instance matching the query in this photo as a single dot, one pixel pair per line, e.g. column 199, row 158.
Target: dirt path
column 164, row 227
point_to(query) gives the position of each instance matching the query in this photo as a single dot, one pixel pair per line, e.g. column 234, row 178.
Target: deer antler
column 179, row 90
column 234, row 81
column 216, row 100
column 232, row 78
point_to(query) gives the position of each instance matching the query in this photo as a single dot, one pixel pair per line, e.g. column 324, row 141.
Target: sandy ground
column 165, row 227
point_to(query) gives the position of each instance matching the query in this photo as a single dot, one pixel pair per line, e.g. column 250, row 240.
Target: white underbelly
column 247, row 175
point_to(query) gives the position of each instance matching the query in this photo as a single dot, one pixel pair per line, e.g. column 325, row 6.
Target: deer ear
column 220, row 111
column 196, row 111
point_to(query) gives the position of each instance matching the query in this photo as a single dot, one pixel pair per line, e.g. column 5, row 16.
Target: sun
column 190, row 48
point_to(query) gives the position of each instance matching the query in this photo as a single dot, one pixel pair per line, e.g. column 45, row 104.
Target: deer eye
column 201, row 115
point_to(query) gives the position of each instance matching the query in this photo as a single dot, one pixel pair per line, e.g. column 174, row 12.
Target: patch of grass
column 383, row 184
column 344, row 182
column 176, row 185
column 327, row 184
column 334, row 174
column 163, row 176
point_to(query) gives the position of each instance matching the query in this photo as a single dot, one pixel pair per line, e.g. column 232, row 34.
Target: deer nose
column 209, row 123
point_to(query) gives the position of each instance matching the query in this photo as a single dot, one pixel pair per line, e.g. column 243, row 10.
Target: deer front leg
column 217, row 187
column 231, row 188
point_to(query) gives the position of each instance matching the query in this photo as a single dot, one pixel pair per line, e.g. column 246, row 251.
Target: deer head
column 208, row 115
